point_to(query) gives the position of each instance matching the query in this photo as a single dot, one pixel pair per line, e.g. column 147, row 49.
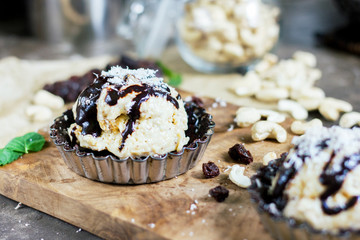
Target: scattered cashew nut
column 294, row 108
column 272, row 94
column 245, row 116
column 272, row 116
column 237, row 176
column 38, row 113
column 269, row 157
column 248, row 85
column 299, row 127
column 330, row 108
column 350, row 119
column 312, row 93
column 307, row 58
column 309, row 104
column 266, row 129
column 47, row 99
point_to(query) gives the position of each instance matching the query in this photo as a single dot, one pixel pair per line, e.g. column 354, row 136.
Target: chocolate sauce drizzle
column 86, row 110
column 145, row 92
column 333, row 181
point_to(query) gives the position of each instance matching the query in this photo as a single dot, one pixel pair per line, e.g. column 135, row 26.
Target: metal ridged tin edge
column 281, row 227
column 133, row 170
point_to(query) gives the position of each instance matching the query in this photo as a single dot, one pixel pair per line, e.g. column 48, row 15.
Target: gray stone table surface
column 301, row 19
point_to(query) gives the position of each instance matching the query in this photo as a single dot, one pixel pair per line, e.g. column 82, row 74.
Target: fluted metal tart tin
column 110, row 169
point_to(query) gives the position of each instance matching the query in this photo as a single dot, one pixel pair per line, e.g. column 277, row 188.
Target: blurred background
column 47, row 29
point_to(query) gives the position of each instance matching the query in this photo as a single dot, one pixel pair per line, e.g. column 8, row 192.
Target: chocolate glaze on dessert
column 333, row 181
column 86, row 110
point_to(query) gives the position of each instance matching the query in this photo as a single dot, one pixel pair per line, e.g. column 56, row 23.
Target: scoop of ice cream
column 130, row 113
column 318, row 182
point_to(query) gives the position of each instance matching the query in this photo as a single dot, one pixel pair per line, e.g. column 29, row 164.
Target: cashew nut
column 38, row 113
column 299, row 127
column 295, row 109
column 47, row 99
column 237, row 176
column 246, row 116
column 265, row 129
column 268, row 61
column 248, row 85
column 350, row 119
column 309, row 104
column 308, row 93
column 272, row 116
column 307, row 58
column 269, row 157
column 272, row 94
column 330, row 108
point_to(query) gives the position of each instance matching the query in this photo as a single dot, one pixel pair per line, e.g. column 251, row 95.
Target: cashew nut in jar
column 222, row 31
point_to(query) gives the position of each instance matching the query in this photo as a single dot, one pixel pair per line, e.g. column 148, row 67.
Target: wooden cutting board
column 178, row 208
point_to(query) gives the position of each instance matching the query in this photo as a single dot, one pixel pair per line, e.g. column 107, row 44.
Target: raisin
column 197, row 101
column 239, row 153
column 210, row 170
column 220, row 193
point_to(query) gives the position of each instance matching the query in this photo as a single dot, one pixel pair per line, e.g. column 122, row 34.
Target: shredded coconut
column 117, row 74
column 193, row 207
column 231, row 127
column 18, row 206
column 344, row 142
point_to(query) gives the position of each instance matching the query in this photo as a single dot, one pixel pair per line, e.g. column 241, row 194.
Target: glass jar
column 227, row 35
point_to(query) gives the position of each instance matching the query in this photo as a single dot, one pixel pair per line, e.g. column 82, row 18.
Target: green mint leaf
column 34, row 142
column 7, row 156
column 16, row 145
column 175, row 79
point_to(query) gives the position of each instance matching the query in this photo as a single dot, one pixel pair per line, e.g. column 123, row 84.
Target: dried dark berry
column 239, row 153
column 197, row 101
column 210, row 170
column 71, row 88
column 220, row 193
